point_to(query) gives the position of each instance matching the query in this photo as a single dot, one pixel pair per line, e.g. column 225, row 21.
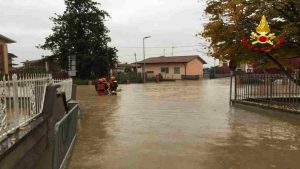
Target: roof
column 6, row 39
column 124, row 65
column 11, row 55
column 48, row 58
column 32, row 61
column 172, row 59
column 133, row 65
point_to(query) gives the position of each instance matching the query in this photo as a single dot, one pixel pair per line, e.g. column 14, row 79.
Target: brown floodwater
column 181, row 125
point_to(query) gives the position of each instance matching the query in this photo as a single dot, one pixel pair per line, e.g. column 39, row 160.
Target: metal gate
column 268, row 90
column 64, row 137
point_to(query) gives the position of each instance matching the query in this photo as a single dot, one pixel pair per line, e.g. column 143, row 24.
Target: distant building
column 175, row 67
column 41, row 65
column 5, row 58
column 224, row 63
column 248, row 68
column 125, row 67
column 240, row 67
column 11, row 58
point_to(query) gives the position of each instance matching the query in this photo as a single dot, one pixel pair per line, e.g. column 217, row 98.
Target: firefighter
column 113, row 85
column 107, row 84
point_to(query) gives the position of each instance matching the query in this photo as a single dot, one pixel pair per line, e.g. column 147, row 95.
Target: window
column 176, row 70
column 164, row 70
column 225, row 63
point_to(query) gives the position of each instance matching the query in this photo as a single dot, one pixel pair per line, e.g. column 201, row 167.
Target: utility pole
column 46, row 64
column 214, row 67
column 144, row 53
column 164, row 52
column 173, row 50
column 109, row 72
column 136, row 67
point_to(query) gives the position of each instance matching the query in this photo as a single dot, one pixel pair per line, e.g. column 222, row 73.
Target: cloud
column 28, row 23
column 169, row 22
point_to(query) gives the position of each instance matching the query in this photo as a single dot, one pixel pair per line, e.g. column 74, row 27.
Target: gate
column 268, row 90
column 64, row 137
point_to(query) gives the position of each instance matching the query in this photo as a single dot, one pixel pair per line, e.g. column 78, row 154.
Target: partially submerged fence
column 22, row 98
column 272, row 90
column 64, row 137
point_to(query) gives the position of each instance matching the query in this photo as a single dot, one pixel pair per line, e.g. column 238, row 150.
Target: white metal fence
column 22, row 98
column 65, row 86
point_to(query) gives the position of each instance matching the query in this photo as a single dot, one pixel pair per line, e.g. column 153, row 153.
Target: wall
column 195, row 67
column 171, row 75
column 30, row 147
column 224, row 63
column 1, row 55
column 5, row 67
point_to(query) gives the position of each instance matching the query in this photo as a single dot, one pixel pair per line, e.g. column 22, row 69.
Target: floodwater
column 181, row 125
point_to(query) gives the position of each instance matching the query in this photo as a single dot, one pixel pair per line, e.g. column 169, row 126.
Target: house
column 50, row 65
column 11, row 58
column 245, row 67
column 224, row 63
column 174, row 67
column 248, row 68
column 5, row 62
column 125, row 67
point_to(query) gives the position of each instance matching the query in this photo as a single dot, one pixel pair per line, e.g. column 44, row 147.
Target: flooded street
column 181, row 125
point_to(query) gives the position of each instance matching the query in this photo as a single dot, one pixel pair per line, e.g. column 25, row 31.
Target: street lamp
column 144, row 53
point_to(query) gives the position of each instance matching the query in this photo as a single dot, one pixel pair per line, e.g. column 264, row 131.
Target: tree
column 230, row 19
column 80, row 32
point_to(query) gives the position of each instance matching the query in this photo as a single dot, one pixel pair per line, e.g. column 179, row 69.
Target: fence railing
column 65, row 86
column 64, row 137
column 21, row 99
column 274, row 90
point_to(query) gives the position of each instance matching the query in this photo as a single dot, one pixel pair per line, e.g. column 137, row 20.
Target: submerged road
column 181, row 125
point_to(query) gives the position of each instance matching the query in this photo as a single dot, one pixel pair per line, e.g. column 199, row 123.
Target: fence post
column 231, row 78
column 235, row 86
column 51, row 80
column 271, row 89
column 15, row 99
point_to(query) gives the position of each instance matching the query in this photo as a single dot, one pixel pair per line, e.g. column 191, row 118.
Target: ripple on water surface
column 183, row 124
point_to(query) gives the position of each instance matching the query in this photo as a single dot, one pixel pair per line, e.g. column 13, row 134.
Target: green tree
column 80, row 31
column 230, row 19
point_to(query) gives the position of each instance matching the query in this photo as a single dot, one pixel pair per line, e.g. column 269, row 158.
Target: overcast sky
column 169, row 22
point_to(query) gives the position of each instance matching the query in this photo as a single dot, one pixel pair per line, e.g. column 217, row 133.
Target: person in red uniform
column 100, row 87
column 113, row 85
column 107, row 84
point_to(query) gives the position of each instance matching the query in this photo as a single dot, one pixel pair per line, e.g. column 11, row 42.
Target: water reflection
column 186, row 124
column 258, row 140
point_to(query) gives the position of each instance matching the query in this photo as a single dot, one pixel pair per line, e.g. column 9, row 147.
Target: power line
column 137, row 47
column 168, row 53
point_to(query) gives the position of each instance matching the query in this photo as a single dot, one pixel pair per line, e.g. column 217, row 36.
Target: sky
column 170, row 23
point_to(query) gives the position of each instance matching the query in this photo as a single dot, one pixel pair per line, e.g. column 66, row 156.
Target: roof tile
column 172, row 59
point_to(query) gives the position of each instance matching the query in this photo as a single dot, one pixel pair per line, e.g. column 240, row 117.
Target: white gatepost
column 15, row 100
